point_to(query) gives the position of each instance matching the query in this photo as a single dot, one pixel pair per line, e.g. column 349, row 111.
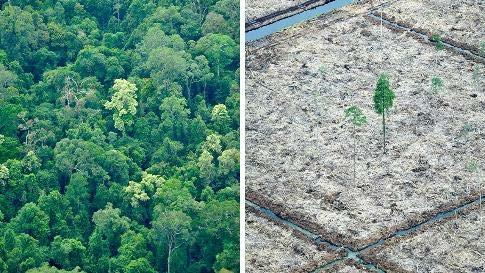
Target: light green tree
column 358, row 119
column 221, row 118
column 4, row 174
column 142, row 191
column 212, row 144
column 123, row 103
column 206, row 167
column 228, row 161
column 436, row 84
column 383, row 101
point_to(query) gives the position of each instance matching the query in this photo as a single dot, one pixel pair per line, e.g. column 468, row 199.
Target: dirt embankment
column 453, row 245
column 271, row 247
column 460, row 23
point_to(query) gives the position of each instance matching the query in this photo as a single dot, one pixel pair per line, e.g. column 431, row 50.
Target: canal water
column 295, row 19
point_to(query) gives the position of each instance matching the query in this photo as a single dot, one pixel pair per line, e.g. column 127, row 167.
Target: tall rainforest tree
column 123, row 103
column 383, row 101
column 358, row 119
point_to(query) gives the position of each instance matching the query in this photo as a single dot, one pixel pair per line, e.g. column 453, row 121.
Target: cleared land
column 454, row 246
column 458, row 22
column 348, row 266
column 299, row 146
column 264, row 12
column 274, row 248
column 258, row 8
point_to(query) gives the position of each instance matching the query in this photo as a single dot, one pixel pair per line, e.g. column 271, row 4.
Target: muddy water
column 295, row 19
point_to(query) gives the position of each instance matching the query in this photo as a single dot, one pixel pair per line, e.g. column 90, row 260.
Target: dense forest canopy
column 119, row 140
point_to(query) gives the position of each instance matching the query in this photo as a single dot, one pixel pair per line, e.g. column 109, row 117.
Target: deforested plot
column 458, row 22
column 259, row 8
column 454, row 246
column 300, row 146
column 264, row 12
column 349, row 266
column 271, row 247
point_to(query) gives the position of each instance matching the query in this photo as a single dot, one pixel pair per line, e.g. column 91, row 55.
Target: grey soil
column 259, row 8
column 454, row 246
column 274, row 248
column 458, row 22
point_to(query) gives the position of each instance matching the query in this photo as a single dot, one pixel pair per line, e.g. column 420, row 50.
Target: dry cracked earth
column 300, row 147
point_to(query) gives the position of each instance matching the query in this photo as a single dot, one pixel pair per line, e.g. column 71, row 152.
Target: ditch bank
column 336, row 241
column 454, row 241
column 274, row 246
column 467, row 51
column 367, row 257
column 255, row 23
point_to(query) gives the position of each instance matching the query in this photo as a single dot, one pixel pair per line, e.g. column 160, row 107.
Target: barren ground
column 264, row 12
column 460, row 22
column 454, row 246
column 299, row 146
column 274, row 248
column 259, row 8
column 348, row 266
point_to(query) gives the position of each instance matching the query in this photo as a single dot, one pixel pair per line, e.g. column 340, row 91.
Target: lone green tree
column 383, row 101
column 358, row 119
column 123, row 103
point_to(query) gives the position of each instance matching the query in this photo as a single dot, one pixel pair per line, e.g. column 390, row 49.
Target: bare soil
column 259, row 8
column 274, row 248
column 349, row 266
column 454, row 246
column 459, row 22
column 300, row 147
column 261, row 13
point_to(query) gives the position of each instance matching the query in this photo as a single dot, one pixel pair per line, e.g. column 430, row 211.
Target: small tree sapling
column 383, row 101
column 436, row 84
column 358, row 119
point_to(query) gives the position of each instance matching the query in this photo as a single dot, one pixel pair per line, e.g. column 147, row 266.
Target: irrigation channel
column 279, row 25
column 354, row 254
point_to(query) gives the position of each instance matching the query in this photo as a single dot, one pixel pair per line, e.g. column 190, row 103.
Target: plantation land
column 347, row 267
column 274, row 248
column 458, row 22
column 300, row 147
column 257, row 10
column 454, row 246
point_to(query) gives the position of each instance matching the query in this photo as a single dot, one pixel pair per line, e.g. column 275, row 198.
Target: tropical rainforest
column 119, row 136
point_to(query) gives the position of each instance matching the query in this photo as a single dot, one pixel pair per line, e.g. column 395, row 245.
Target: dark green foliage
column 383, row 101
column 77, row 194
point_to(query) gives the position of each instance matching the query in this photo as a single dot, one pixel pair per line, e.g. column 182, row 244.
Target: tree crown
column 383, row 95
